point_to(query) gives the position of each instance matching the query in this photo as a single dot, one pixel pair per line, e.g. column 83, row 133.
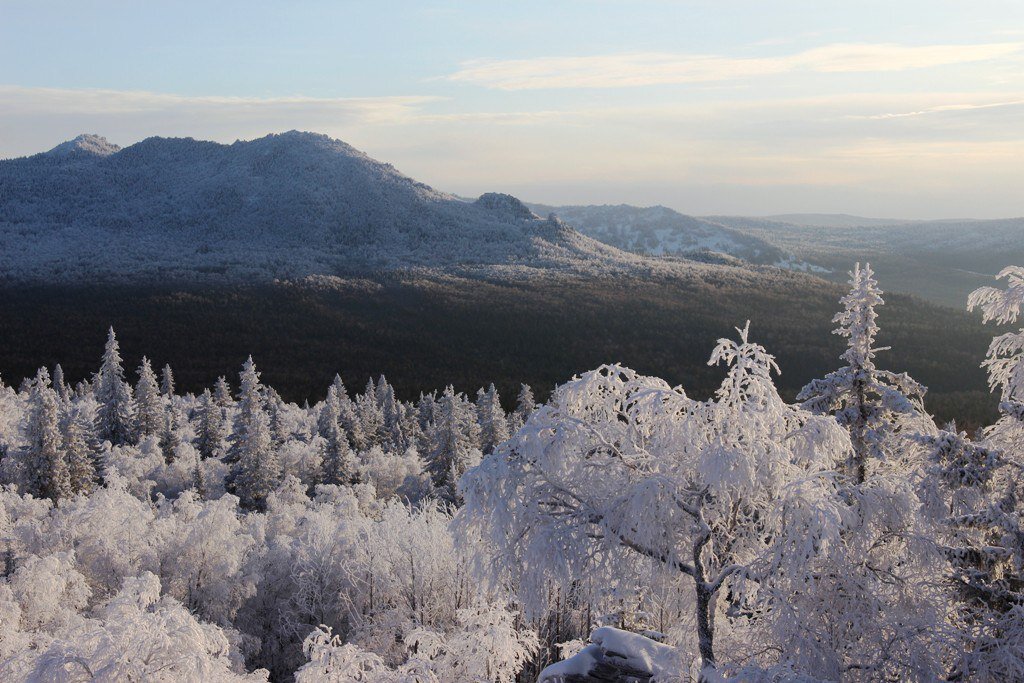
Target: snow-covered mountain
column 284, row 206
column 659, row 231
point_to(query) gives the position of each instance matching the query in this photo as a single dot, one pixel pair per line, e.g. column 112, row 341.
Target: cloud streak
column 658, row 68
column 26, row 101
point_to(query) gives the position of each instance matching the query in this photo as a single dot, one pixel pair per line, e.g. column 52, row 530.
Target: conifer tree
column 371, row 416
column 115, row 414
column 59, row 385
column 339, row 463
column 425, row 410
column 525, row 405
column 865, row 400
column 222, row 393
column 167, row 382
column 149, row 408
column 454, row 442
column 393, row 437
column 256, row 469
column 492, row 419
column 211, row 433
column 77, row 452
column 46, row 470
column 169, row 438
column 275, row 411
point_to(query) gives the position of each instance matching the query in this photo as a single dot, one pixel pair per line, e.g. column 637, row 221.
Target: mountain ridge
column 285, row 206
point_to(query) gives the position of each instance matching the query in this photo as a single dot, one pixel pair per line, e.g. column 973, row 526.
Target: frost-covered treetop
column 857, row 320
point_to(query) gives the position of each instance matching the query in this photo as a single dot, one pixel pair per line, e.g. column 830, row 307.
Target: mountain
column 941, row 261
column 833, row 220
column 284, row 206
column 660, row 231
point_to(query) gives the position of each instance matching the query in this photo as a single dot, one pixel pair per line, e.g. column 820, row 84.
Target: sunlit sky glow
column 901, row 108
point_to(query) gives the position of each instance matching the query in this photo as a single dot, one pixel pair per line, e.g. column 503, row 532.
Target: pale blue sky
column 897, row 108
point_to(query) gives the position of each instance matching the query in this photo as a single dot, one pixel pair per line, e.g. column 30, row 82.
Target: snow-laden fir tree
column 984, row 486
column 276, row 412
column 169, row 437
column 492, row 419
column 77, row 450
column 149, row 404
column 167, row 382
column 115, row 412
column 865, row 400
column 425, row 410
column 46, row 470
column 394, row 438
column 222, row 393
column 59, row 385
column 256, row 470
column 454, row 440
column 339, row 465
column 525, row 405
column 211, row 429
column 371, row 416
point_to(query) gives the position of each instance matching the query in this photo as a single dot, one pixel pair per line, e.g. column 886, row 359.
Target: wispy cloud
column 19, row 101
column 658, row 68
column 943, row 108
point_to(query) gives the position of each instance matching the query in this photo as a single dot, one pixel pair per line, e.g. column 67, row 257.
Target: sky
column 897, row 109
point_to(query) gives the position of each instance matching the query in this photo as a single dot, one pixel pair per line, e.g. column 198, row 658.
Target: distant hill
column 659, row 231
column 833, row 220
column 283, row 206
column 941, row 261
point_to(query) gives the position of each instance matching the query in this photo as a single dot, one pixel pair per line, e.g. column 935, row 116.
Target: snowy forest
column 620, row 531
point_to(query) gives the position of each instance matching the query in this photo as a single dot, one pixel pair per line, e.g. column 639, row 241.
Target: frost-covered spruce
column 46, row 470
column 492, row 419
column 115, row 413
column 222, row 393
column 525, row 405
column 338, row 461
column 454, row 441
column 865, row 400
column 59, row 385
column 77, row 450
column 167, row 381
column 256, row 470
column 211, row 430
column 149, row 404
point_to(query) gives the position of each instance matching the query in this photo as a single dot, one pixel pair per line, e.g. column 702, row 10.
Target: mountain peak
column 505, row 204
column 86, row 143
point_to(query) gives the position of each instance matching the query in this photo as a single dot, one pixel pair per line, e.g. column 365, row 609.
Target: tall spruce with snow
column 454, row 442
column 115, row 413
column 985, row 484
column 256, row 470
column 338, row 461
column 59, row 385
column 167, row 382
column 222, row 393
column 77, row 451
column 211, row 431
column 865, row 400
column 621, row 479
column 149, row 404
column 492, row 419
column 525, row 405
column 46, row 470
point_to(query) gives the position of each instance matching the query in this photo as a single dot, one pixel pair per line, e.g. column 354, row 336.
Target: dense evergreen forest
column 426, row 331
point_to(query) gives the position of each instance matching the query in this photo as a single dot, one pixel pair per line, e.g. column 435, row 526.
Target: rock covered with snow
column 614, row 656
